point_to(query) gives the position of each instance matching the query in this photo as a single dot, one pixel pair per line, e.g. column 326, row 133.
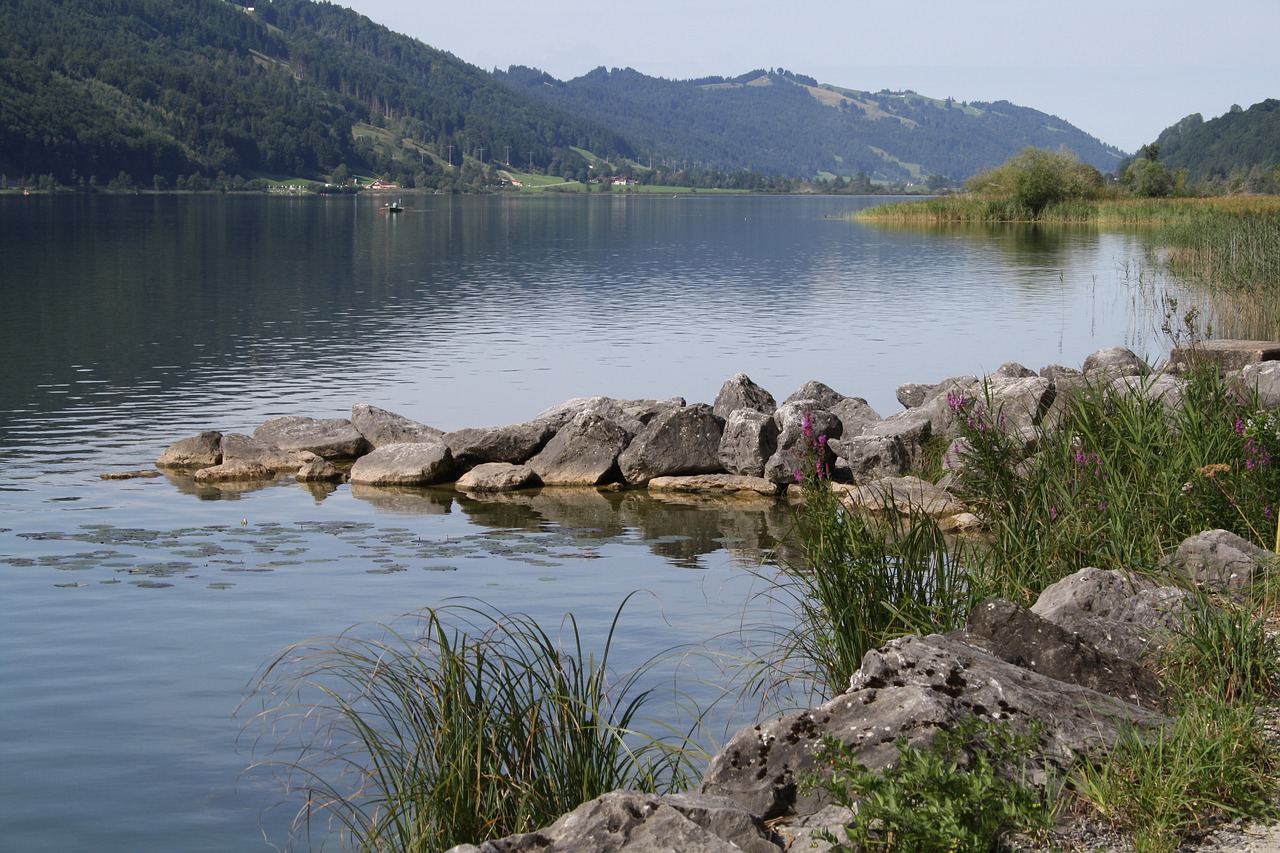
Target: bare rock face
column 855, row 415
column 750, row 438
column 1219, row 559
column 631, row 415
column 331, row 438
column 238, row 447
column 380, row 427
column 676, row 442
column 198, row 451
column 740, row 393
column 644, row 823
column 583, row 453
column 514, row 443
column 497, row 477
column 412, row 464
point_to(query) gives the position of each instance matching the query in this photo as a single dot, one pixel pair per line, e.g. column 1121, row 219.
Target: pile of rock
column 744, row 441
column 1072, row 664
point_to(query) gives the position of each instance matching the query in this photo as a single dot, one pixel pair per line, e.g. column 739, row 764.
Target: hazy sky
column 1121, row 70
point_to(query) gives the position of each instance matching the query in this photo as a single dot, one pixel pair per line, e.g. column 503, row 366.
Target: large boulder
column 820, row 395
column 197, row 451
column 238, row 447
column 1224, row 355
column 676, row 442
column 584, row 452
column 740, row 393
column 749, row 439
column 1119, row 613
column 630, row 822
column 804, row 433
column 914, row 394
column 409, row 464
column 912, row 687
column 514, row 443
column 631, row 415
column 332, row 438
column 1024, row 638
column 1219, row 559
column 380, row 427
column 1262, row 380
column 855, row 415
column 1114, row 361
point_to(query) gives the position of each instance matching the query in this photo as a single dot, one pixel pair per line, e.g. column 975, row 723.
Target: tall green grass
column 463, row 724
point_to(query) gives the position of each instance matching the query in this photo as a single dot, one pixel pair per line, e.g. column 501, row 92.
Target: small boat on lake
column 396, row 206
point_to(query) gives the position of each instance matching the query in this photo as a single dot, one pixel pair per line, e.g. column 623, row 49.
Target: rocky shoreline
column 1070, row 663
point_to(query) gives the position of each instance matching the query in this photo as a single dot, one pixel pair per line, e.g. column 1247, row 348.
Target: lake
column 135, row 613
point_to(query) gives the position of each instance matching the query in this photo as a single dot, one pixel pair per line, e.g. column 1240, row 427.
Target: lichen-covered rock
column 409, row 464
column 331, row 438
column 197, row 451
column 1118, row 613
column 380, row 427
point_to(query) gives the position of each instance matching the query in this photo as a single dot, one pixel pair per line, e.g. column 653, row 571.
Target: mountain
column 1235, row 145
column 93, row 88
column 785, row 123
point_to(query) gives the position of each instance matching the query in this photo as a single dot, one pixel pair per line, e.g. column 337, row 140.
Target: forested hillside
column 779, row 122
column 1238, row 149
column 160, row 90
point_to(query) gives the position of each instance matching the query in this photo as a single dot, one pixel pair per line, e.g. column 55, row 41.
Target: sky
column 1121, row 70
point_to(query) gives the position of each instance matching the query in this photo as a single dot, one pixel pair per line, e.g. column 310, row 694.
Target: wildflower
column 1213, row 470
column 1053, row 513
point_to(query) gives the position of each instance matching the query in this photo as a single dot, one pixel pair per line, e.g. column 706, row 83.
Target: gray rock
column 1219, row 559
column 865, row 458
column 795, row 449
column 1115, row 361
column 1056, row 372
column 629, row 822
column 631, row 415
column 314, row 469
column 1023, row 638
column 380, row 427
column 239, row 447
column 855, row 415
column 1117, row 613
column 234, row 472
column 740, row 393
column 676, row 442
column 514, row 443
column 912, row 687
column 1164, row 387
column 409, row 464
column 720, row 484
column 914, row 394
column 332, row 438
column 824, row 395
column 749, row 439
column 1013, row 370
column 197, row 451
column 583, row 453
column 497, row 477
column 1262, row 380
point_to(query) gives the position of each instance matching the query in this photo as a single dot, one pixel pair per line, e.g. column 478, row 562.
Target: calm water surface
column 134, row 613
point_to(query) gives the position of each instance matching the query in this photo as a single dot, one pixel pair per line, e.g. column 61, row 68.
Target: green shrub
column 958, row 795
